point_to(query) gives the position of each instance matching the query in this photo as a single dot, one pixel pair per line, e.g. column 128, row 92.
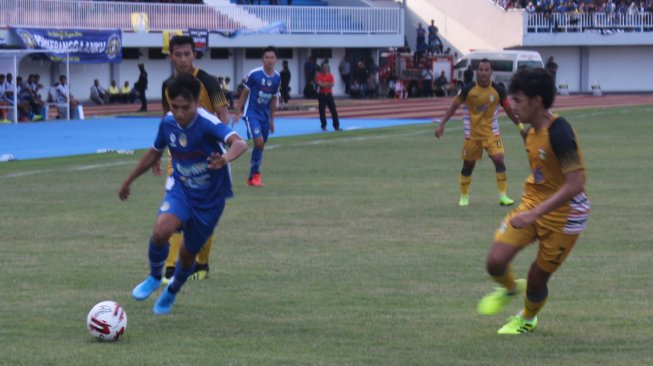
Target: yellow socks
column 464, row 184
column 502, row 182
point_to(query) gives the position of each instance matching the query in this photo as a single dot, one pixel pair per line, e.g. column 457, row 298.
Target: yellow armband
column 520, row 126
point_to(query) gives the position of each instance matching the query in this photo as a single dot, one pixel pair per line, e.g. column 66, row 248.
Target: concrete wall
column 617, row 69
column 484, row 27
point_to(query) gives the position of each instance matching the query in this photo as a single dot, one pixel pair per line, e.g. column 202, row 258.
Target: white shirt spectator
column 62, row 92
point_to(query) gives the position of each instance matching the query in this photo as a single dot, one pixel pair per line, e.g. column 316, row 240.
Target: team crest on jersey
column 173, row 140
column 257, row 131
column 269, row 82
column 541, row 153
column 182, row 140
column 491, row 98
column 165, row 206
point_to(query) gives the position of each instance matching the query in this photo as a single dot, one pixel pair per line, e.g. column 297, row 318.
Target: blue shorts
column 257, row 128
column 197, row 223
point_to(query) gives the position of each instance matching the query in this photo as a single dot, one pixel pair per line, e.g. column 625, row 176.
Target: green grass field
column 354, row 253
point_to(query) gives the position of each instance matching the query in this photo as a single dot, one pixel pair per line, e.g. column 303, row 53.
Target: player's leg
column 321, row 100
column 466, row 181
column 471, row 152
column 508, row 241
column 494, row 148
column 196, row 233
column 165, row 226
column 202, row 262
column 553, row 250
column 175, row 243
column 334, row 113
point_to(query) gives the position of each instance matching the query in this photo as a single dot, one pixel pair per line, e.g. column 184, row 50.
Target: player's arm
column 219, row 104
column 505, row 103
column 241, row 103
column 273, row 109
column 457, row 102
column 151, row 157
column 574, row 184
column 237, row 146
column 563, row 143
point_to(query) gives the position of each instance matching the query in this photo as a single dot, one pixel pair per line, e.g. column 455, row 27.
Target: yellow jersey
column 481, row 114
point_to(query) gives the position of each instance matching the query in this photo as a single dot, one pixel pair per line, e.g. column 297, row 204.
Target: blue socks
column 257, row 158
column 157, row 255
column 181, row 275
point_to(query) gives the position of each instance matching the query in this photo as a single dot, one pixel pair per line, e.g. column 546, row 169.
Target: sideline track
column 62, row 138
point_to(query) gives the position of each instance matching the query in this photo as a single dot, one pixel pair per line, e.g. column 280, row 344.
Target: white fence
column 166, row 16
column 562, row 22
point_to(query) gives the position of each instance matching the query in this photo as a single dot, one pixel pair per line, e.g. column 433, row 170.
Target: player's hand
column 124, row 192
column 523, row 219
column 216, row 161
column 156, row 168
column 439, row 131
column 271, row 126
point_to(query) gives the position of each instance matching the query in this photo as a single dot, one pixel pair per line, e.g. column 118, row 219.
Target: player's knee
column 467, row 169
column 258, row 143
column 496, row 266
column 161, row 235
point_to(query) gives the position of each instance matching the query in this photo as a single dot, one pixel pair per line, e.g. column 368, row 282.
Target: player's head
column 182, row 54
column 269, row 57
column 533, row 91
column 183, row 94
column 484, row 71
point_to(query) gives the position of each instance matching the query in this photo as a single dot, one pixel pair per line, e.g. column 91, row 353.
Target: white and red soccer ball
column 107, row 321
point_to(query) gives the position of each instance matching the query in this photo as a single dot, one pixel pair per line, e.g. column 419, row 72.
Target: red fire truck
column 400, row 66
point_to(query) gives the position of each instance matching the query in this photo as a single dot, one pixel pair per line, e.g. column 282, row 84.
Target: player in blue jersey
column 258, row 102
column 197, row 189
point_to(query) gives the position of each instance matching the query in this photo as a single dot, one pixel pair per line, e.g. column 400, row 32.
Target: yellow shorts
column 473, row 149
column 554, row 246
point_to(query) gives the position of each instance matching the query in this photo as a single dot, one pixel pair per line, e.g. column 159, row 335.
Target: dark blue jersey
column 190, row 147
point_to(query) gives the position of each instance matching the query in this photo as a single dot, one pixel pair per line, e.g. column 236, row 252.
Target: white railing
column 561, row 22
column 106, row 15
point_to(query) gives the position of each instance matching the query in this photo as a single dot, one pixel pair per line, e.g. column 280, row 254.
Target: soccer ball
column 107, row 321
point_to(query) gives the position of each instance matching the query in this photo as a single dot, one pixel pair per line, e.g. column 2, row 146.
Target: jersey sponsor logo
column 541, row 153
column 165, row 206
column 183, row 141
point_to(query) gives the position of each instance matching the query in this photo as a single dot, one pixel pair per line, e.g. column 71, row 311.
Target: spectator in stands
column 468, row 76
column 228, row 93
column 99, row 95
column 240, row 88
column 345, row 72
column 427, row 82
column 420, row 46
column 361, row 78
column 285, row 84
column 552, row 68
column 9, row 89
column 63, row 92
column 141, row 86
column 114, row 92
column 373, row 71
column 127, row 94
column 3, row 100
column 310, row 70
column 27, row 94
column 435, row 43
column 441, row 85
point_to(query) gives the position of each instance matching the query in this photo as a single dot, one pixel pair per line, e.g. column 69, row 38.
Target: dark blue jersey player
column 197, row 190
column 259, row 102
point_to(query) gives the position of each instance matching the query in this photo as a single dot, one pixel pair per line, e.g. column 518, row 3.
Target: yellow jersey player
column 211, row 98
column 481, row 120
column 554, row 207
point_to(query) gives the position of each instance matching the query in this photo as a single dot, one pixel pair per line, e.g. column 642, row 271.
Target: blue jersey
column 262, row 88
column 190, row 147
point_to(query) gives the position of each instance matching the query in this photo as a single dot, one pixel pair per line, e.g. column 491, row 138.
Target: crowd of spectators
column 579, row 6
column 160, row 1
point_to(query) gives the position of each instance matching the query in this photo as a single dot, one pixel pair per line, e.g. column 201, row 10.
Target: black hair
column 485, row 60
column 181, row 40
column 534, row 82
column 188, row 86
column 270, row 48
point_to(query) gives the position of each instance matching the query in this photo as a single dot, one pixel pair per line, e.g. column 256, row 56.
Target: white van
column 504, row 63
